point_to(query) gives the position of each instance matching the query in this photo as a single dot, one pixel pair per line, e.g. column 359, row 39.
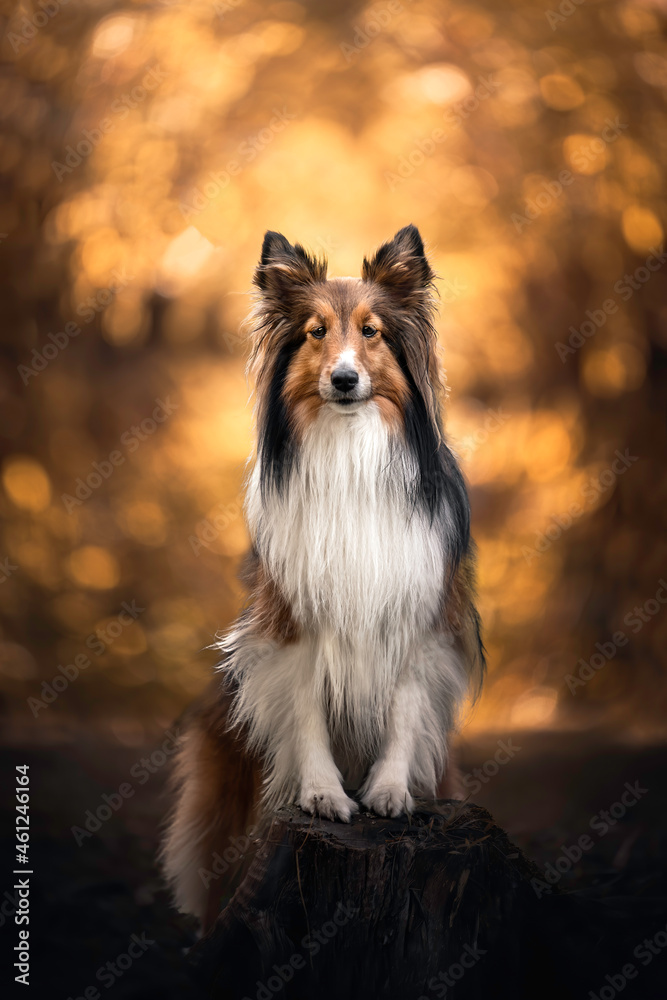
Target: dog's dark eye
column 319, row 332
column 368, row 331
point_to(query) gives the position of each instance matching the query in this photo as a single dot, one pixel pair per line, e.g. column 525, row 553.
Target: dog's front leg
column 385, row 790
column 281, row 703
column 321, row 781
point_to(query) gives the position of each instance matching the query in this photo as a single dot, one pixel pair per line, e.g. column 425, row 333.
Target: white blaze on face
column 346, row 360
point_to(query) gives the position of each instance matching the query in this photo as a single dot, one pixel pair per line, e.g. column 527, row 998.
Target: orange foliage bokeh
column 148, row 146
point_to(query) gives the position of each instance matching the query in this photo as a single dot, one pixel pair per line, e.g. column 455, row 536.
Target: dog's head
column 344, row 342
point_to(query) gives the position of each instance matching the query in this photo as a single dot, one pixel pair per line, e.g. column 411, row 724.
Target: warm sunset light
column 159, row 142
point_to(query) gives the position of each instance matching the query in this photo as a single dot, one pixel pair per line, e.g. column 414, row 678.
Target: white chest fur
column 345, row 541
column 360, row 565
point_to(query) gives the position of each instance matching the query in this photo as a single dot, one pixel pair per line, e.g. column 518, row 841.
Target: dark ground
column 87, row 901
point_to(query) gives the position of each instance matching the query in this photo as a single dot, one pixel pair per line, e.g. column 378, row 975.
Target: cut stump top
column 434, row 905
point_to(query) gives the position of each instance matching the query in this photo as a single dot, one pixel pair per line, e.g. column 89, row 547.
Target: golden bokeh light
column 534, row 708
column 144, row 521
column 26, row 483
column 611, row 372
column 641, row 228
column 148, row 148
column 94, row 567
column 561, row 92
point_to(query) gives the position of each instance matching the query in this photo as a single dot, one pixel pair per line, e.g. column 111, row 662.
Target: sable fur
column 361, row 640
column 215, row 786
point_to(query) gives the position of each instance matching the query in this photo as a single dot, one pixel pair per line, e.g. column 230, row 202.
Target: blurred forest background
column 145, row 149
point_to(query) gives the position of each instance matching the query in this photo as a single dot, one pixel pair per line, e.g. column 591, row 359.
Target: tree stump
column 437, row 905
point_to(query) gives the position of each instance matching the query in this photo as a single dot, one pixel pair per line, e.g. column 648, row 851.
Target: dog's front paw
column 329, row 802
column 387, row 799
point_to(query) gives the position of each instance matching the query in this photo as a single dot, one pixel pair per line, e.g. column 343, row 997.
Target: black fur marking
column 440, row 484
column 275, row 245
column 276, row 448
column 481, row 649
column 410, row 236
column 455, row 494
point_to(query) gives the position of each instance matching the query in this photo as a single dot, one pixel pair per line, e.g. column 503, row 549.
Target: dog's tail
column 215, row 785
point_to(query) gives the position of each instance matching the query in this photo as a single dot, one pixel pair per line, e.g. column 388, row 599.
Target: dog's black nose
column 344, row 379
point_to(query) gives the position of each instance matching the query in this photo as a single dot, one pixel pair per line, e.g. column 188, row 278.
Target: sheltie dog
column 361, row 638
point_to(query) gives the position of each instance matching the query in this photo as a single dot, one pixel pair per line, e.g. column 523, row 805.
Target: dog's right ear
column 283, row 268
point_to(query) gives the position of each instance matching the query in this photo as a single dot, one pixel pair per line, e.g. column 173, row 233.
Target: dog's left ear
column 400, row 265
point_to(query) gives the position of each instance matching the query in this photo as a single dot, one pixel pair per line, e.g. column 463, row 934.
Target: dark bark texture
column 440, row 905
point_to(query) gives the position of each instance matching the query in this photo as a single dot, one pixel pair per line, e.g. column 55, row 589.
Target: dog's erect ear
column 283, row 267
column 400, row 265
column 401, row 270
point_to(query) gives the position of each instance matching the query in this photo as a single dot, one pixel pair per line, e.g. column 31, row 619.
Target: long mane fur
column 401, row 271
